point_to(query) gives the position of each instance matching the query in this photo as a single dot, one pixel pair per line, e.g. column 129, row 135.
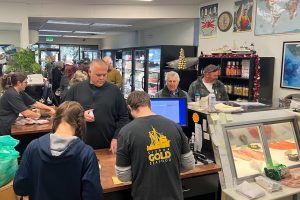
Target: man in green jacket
column 209, row 83
column 113, row 75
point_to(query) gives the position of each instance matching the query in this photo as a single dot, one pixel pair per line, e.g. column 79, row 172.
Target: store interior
column 161, row 23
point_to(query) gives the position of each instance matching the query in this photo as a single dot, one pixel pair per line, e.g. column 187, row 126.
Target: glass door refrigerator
column 139, row 69
column 107, row 53
column 118, row 61
column 153, row 70
column 127, row 72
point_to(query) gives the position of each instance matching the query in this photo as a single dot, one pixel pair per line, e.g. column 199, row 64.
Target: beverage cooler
column 139, row 69
column 107, row 52
column 127, row 72
column 143, row 67
column 117, row 60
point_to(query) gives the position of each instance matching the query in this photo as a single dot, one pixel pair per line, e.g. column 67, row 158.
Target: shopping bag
column 8, row 158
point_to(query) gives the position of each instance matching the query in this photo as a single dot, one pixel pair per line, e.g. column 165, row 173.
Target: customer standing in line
column 15, row 101
column 209, row 83
column 171, row 88
column 113, row 75
column 152, row 151
column 105, row 107
column 60, row 165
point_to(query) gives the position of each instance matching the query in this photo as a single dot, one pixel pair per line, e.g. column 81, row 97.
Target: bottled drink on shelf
column 227, row 71
column 211, row 101
column 197, row 96
column 233, row 71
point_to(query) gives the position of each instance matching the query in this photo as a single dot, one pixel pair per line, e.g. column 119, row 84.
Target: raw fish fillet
column 248, row 154
column 282, row 145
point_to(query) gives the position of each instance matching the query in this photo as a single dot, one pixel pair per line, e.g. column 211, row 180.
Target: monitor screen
column 174, row 109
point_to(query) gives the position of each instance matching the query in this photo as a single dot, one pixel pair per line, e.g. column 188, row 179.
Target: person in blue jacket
column 60, row 165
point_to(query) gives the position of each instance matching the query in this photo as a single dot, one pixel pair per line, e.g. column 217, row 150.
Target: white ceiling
column 137, row 25
column 121, row 2
column 39, row 23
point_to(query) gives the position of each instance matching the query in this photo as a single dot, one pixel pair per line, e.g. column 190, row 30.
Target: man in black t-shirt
column 152, row 151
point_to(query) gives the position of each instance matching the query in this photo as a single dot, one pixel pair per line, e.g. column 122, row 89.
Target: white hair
column 172, row 74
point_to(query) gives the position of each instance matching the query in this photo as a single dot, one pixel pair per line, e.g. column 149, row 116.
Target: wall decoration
column 277, row 16
column 290, row 69
column 208, row 21
column 243, row 15
column 225, row 21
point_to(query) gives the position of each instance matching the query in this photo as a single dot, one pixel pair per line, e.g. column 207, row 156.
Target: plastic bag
column 8, row 158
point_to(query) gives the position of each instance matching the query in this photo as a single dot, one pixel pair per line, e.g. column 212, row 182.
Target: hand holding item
column 89, row 115
column 113, row 146
column 51, row 111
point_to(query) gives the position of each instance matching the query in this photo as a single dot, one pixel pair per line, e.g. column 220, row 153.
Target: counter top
column 108, row 160
column 30, row 129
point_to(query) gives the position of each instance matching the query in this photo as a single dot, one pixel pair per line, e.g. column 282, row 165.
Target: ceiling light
column 58, row 31
column 90, row 32
column 75, row 36
column 41, row 35
column 110, row 25
column 66, row 22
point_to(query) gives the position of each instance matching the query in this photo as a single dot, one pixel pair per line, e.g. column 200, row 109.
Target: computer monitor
column 174, row 109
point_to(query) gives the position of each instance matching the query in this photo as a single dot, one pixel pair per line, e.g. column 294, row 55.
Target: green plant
column 23, row 61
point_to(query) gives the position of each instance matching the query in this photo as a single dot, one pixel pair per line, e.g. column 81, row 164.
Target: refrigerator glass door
column 118, row 61
column 127, row 75
column 139, row 72
column 107, row 53
column 153, row 64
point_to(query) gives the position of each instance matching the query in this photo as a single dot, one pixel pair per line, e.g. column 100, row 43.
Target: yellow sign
column 196, row 117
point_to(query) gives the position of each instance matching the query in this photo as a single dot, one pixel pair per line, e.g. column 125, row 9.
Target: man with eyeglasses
column 105, row 107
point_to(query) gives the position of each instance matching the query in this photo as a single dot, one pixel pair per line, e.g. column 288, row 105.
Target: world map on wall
column 277, row 16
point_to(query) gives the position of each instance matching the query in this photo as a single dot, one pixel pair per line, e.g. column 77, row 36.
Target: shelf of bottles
column 235, row 76
column 139, row 61
column 127, row 66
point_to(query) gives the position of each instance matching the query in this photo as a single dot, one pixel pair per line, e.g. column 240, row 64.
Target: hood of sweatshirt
column 58, row 149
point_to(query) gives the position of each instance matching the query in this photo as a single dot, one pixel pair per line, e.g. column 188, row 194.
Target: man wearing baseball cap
column 209, row 83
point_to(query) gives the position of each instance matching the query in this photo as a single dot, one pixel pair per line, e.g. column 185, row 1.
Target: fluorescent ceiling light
column 110, row 25
column 90, row 32
column 75, row 36
column 66, row 22
column 49, row 35
column 58, row 31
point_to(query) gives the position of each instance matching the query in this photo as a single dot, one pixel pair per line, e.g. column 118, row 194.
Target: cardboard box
column 7, row 192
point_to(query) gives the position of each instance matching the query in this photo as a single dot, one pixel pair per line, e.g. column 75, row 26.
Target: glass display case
column 251, row 146
column 245, row 143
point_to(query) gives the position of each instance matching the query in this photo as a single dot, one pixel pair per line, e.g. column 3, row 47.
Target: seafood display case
column 252, row 141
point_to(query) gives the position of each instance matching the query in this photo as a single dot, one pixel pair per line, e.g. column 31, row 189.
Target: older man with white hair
column 171, row 88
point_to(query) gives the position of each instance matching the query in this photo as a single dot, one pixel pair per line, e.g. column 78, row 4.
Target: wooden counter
column 108, row 160
column 30, row 129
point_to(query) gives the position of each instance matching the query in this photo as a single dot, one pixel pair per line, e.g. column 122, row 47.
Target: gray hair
column 172, row 74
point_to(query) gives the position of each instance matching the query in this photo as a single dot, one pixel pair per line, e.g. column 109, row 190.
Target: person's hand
column 113, row 146
column 52, row 111
column 89, row 116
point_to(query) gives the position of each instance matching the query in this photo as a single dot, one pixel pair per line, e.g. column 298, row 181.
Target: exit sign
column 49, row 39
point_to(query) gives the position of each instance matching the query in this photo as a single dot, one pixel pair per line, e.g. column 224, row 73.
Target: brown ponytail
column 72, row 113
column 10, row 80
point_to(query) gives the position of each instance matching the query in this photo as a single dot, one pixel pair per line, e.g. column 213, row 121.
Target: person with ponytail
column 60, row 165
column 14, row 101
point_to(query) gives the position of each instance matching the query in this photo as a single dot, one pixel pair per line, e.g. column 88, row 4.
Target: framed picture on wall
column 277, row 17
column 290, row 68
